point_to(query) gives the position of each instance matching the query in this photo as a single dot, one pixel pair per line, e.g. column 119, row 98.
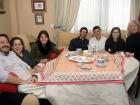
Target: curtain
column 135, row 9
column 65, row 14
column 105, row 13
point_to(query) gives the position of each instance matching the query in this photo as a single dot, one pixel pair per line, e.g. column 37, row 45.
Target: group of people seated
column 114, row 43
column 18, row 66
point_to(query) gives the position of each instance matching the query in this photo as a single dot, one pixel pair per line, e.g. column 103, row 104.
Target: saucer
column 100, row 64
column 86, row 67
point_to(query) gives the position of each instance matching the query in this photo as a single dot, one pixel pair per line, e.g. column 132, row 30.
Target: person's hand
column 32, row 71
column 109, row 50
column 25, row 82
column 128, row 54
column 39, row 68
column 43, row 61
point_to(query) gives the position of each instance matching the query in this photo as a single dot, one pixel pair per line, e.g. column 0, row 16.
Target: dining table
column 66, row 81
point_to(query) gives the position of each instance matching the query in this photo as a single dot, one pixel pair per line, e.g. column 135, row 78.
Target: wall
column 5, row 24
column 23, row 20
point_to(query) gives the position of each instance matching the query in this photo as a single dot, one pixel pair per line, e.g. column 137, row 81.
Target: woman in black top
column 43, row 48
column 133, row 40
column 115, row 43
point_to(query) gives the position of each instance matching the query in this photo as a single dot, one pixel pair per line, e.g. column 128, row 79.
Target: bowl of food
column 101, row 62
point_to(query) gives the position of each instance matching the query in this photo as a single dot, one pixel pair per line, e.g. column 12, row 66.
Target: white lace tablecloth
column 61, row 89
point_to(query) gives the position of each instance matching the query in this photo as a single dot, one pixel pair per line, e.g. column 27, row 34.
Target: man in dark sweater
column 81, row 41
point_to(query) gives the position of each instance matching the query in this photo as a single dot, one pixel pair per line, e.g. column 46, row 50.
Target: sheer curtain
column 65, row 14
column 135, row 9
column 105, row 13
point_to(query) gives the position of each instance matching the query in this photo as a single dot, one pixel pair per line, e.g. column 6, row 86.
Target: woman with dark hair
column 115, row 43
column 43, row 48
column 17, row 45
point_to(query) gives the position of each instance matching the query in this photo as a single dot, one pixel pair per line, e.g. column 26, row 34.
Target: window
column 105, row 13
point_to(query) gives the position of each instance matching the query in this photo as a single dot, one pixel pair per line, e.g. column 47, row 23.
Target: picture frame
column 39, row 5
column 39, row 18
column 2, row 6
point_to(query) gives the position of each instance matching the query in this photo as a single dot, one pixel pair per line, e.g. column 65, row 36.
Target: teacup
column 105, row 57
column 101, row 61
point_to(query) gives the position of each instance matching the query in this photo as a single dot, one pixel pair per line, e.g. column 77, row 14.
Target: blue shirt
column 28, row 59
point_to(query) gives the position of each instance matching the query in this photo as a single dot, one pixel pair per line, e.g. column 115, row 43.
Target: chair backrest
column 64, row 38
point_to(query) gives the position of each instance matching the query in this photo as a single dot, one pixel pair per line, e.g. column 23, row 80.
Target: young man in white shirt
column 97, row 42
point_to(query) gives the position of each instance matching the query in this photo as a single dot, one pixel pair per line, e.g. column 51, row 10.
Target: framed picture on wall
column 39, row 5
column 39, row 18
column 2, row 6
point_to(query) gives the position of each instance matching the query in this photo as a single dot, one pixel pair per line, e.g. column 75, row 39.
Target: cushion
column 53, row 55
column 6, row 87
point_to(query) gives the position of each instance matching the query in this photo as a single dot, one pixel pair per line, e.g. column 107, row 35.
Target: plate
column 70, row 53
column 81, row 59
column 86, row 67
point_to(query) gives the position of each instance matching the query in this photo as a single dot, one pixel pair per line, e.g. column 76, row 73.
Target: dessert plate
column 81, row 59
